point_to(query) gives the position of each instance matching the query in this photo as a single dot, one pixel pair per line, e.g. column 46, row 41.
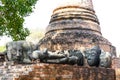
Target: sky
column 107, row 12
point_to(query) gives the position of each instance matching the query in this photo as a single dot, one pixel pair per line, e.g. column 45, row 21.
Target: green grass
column 2, row 48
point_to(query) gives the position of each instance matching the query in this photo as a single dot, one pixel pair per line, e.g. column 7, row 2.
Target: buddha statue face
column 105, row 59
column 92, row 56
column 14, row 52
column 19, row 51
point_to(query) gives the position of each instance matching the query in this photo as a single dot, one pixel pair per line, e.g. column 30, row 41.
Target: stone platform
column 68, row 72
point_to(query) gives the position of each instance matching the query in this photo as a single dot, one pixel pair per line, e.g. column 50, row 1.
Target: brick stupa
column 74, row 25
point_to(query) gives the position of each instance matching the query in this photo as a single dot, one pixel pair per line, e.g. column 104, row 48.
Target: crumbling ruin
column 75, row 26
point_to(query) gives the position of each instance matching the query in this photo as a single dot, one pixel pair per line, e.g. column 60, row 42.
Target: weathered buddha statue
column 44, row 55
column 78, row 54
column 19, row 51
column 105, row 59
column 93, row 56
column 59, row 57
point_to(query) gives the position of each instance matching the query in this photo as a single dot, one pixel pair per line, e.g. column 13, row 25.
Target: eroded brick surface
column 74, row 27
column 116, row 66
column 68, row 72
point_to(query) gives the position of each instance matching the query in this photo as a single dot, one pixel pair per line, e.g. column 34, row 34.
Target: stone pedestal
column 68, row 72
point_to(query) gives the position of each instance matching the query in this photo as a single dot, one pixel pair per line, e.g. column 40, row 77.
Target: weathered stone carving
column 78, row 55
column 60, row 57
column 25, row 52
column 45, row 54
column 105, row 59
column 93, row 56
column 19, row 51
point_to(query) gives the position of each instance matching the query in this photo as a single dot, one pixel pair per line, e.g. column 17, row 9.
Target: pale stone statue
column 19, row 51
column 105, row 59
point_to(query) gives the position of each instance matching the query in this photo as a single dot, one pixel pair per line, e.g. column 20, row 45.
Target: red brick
column 68, row 72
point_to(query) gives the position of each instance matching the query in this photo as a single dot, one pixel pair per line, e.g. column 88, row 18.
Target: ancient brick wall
column 73, row 27
column 68, row 72
column 116, row 66
column 116, row 63
column 117, row 71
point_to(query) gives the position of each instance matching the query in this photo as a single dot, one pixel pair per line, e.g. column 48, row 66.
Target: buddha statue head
column 93, row 56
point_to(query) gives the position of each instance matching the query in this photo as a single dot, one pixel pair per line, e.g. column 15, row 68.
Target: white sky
column 107, row 12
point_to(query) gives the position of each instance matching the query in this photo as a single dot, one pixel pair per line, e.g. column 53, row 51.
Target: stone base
column 68, row 72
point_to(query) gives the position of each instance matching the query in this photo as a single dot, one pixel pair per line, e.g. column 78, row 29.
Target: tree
column 12, row 13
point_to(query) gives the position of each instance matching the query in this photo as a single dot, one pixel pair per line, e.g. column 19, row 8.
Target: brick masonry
column 73, row 27
column 68, row 72
column 116, row 66
column 116, row 63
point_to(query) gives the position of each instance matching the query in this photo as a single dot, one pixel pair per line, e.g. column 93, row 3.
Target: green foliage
column 12, row 13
